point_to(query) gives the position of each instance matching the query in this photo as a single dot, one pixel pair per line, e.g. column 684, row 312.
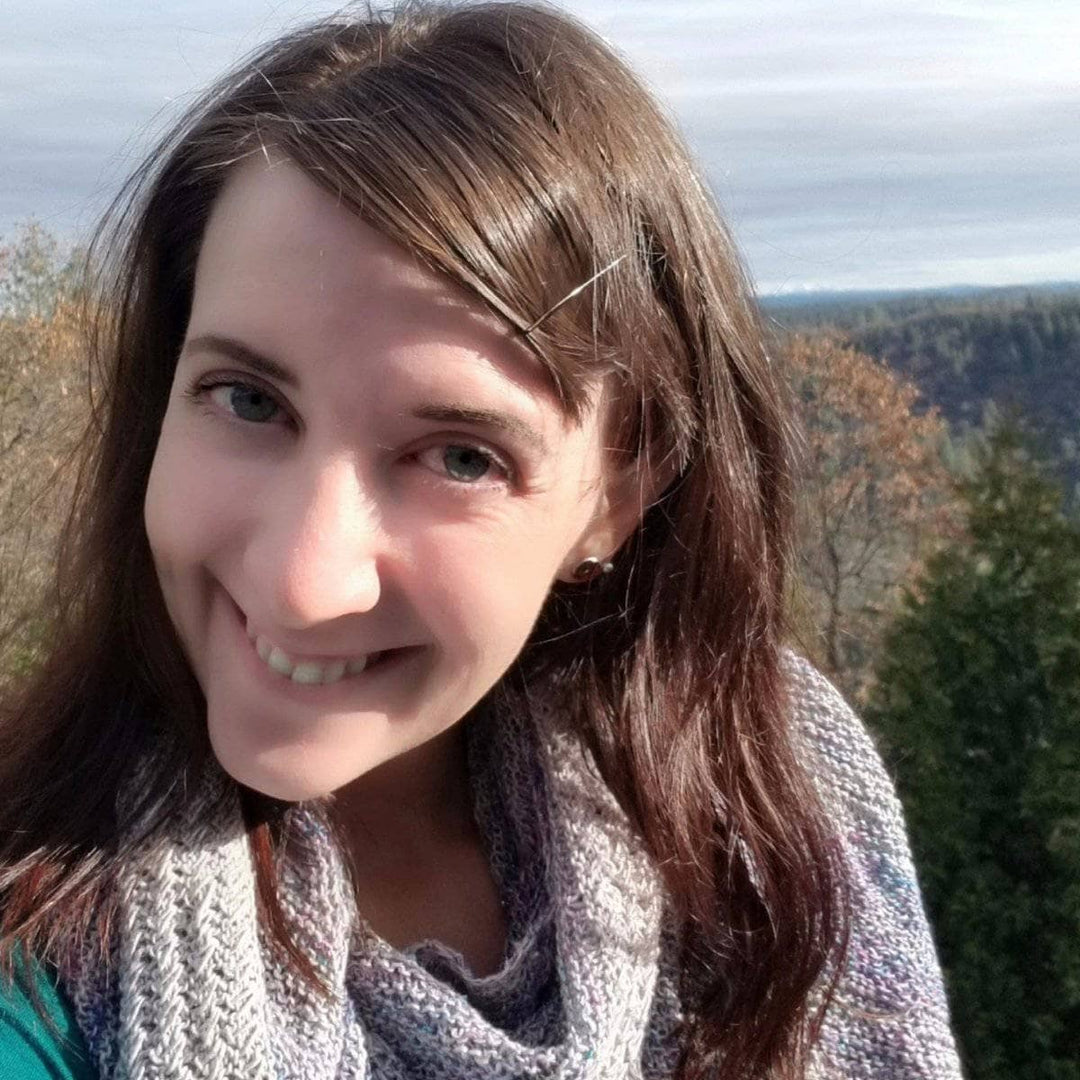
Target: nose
column 316, row 554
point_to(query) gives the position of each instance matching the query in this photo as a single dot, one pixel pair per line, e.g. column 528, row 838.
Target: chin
column 291, row 773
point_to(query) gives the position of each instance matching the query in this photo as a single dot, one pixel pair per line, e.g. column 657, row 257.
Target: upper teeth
column 306, row 671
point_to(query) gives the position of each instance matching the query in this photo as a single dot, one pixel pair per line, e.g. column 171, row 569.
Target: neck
column 416, row 802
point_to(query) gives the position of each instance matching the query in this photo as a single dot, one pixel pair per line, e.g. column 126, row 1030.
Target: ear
column 627, row 493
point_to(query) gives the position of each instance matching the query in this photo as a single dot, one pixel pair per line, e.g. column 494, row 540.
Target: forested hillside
column 962, row 648
column 1006, row 351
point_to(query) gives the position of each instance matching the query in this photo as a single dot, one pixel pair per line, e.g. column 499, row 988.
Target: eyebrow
column 489, row 418
column 444, row 414
column 242, row 354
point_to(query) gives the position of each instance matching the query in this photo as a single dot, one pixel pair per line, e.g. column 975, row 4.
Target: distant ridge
column 975, row 353
column 812, row 298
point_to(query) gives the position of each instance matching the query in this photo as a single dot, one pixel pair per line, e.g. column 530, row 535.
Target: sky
column 854, row 144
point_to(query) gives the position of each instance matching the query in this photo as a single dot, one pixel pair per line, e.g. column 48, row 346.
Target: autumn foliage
column 876, row 498
column 43, row 409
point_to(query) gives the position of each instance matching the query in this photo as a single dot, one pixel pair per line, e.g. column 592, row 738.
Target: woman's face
column 363, row 490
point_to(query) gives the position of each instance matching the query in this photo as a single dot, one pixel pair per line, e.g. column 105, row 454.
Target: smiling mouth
column 311, row 672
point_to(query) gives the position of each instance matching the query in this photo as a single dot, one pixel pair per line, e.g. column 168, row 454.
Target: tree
column 877, row 497
column 36, row 273
column 43, row 407
column 977, row 701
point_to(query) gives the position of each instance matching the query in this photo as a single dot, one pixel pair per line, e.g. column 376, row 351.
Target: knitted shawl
column 589, row 987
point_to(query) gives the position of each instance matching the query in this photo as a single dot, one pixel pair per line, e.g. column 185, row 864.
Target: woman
column 417, row 705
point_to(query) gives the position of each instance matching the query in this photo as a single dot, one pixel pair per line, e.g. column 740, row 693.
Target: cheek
column 484, row 584
column 186, row 511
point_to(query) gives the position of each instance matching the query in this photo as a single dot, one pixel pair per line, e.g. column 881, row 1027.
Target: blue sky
column 869, row 144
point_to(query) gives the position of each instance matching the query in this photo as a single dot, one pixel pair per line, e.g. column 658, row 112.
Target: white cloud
column 849, row 141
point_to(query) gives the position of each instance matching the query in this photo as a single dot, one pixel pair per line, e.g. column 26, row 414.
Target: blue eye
column 245, row 402
column 466, row 463
column 462, row 464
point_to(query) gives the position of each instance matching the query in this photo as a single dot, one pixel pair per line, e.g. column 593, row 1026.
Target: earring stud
column 592, row 567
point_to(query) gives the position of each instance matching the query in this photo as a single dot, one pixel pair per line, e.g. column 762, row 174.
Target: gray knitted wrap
column 588, row 989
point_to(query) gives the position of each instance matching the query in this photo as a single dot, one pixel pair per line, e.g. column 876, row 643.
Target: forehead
column 283, row 262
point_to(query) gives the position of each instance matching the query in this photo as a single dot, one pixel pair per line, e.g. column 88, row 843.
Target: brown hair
column 510, row 149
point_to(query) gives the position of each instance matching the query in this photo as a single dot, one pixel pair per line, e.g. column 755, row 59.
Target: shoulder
column 858, row 795
column 29, row 1048
column 837, row 748
column 890, row 1015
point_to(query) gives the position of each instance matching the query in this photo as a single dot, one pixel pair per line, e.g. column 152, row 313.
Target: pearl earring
column 592, row 567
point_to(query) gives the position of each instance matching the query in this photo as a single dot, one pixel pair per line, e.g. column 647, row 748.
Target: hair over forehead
column 506, row 146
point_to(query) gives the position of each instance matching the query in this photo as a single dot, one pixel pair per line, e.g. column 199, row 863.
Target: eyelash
column 200, row 392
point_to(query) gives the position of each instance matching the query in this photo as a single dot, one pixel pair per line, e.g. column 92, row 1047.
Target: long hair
column 510, row 149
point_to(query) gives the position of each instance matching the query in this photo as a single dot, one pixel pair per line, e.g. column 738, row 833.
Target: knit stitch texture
column 588, row 989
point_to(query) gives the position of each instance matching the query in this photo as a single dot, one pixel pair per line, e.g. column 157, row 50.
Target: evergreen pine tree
column 978, row 708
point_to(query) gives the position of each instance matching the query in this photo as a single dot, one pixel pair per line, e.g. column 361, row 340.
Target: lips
column 309, row 672
column 305, row 670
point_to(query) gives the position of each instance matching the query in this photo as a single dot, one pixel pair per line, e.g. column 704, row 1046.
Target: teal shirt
column 28, row 1049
